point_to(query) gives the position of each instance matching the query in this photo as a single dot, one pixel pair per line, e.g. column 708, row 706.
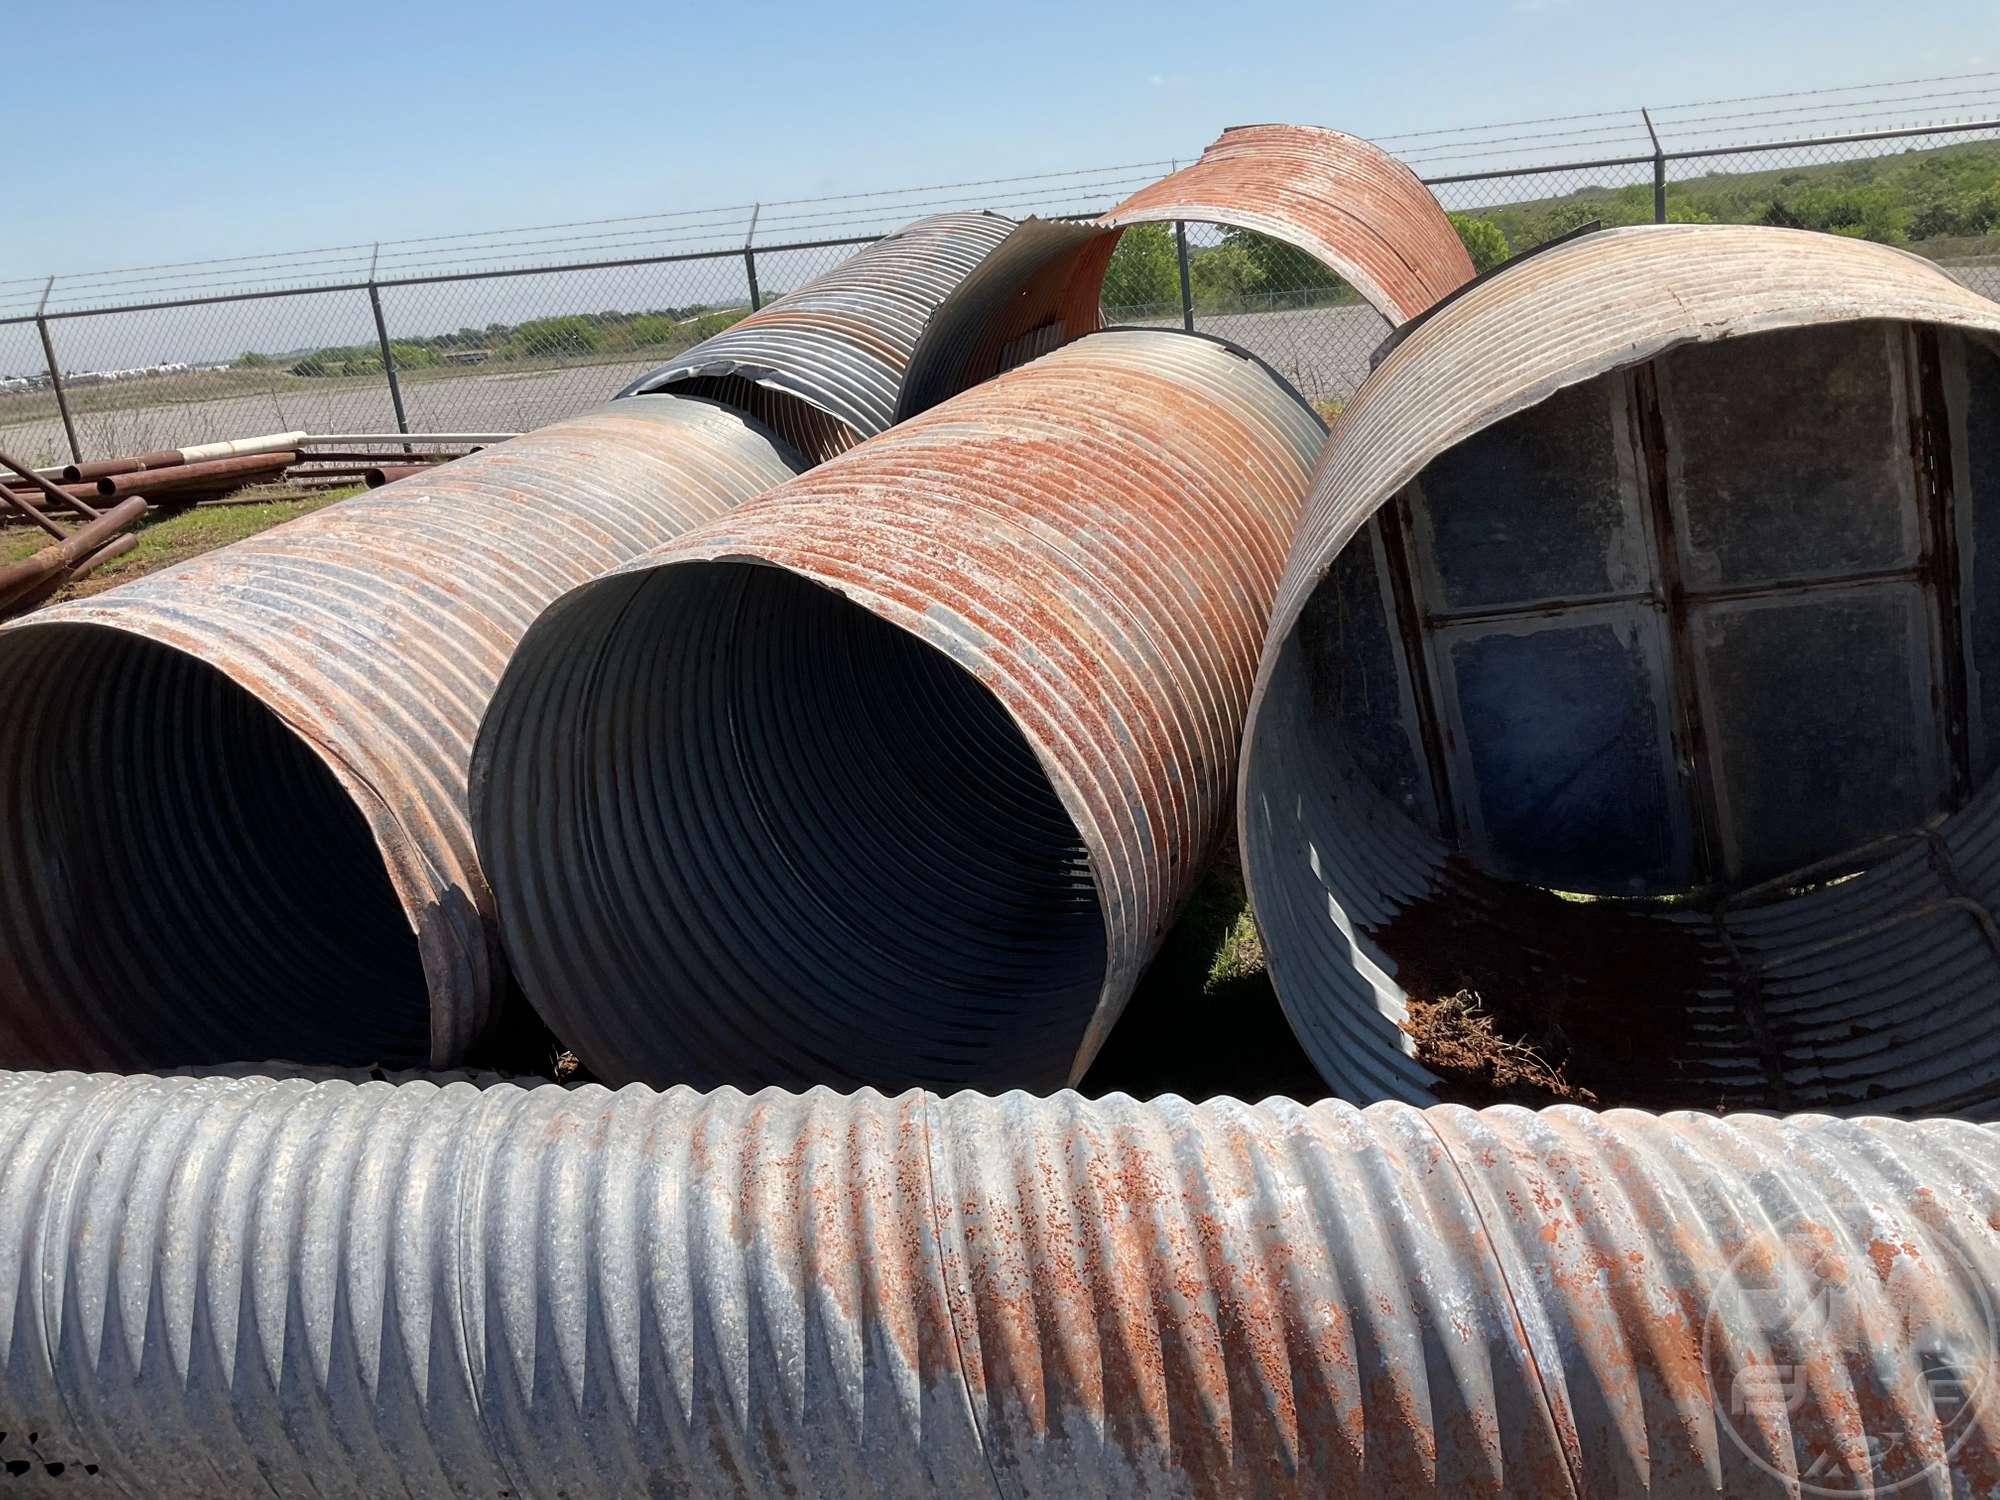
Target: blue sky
column 193, row 129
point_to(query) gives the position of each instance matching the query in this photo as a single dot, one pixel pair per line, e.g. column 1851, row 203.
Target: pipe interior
column 758, row 835
column 185, row 881
column 1653, row 729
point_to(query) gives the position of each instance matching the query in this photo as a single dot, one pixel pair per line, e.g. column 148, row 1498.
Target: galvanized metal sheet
column 824, row 364
column 232, row 794
column 1868, row 992
column 901, row 775
column 1343, row 200
column 243, row 1286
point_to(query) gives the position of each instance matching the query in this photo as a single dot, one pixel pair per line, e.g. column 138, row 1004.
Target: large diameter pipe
column 825, row 364
column 1732, row 451
column 232, row 794
column 223, row 1286
column 900, row 775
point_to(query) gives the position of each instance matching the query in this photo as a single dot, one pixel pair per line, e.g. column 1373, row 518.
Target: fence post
column 750, row 257
column 382, row 343
column 55, row 373
column 1659, row 169
column 1187, row 293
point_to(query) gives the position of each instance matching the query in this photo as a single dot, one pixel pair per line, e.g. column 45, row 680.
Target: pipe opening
column 743, row 831
column 1639, row 750
column 186, row 881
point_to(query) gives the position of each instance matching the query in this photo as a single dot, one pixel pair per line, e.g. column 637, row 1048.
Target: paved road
column 1324, row 352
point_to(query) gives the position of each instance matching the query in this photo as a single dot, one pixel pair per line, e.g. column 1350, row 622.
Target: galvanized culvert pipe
column 235, row 1286
column 824, row 364
column 232, row 794
column 901, row 775
column 1631, row 694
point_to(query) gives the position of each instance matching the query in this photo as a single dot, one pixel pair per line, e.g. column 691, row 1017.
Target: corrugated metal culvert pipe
column 1339, row 199
column 232, row 795
column 824, row 364
column 220, row 1287
column 1633, row 693
column 900, row 776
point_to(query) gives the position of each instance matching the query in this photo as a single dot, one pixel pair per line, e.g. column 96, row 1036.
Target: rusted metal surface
column 376, row 478
column 248, row 469
column 232, row 794
column 1893, row 1016
column 917, row 758
column 1348, row 204
column 226, row 1286
column 1035, row 291
column 824, row 364
column 1343, row 200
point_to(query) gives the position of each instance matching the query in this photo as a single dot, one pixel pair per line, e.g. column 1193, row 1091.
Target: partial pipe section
column 1344, row 201
column 232, row 794
column 1630, row 694
column 1341, row 200
column 227, row 1286
column 900, row 775
column 824, row 364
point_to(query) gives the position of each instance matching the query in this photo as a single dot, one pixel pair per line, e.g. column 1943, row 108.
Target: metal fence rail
column 507, row 349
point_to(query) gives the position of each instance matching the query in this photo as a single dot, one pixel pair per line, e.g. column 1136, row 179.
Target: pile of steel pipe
column 318, row 686
column 31, row 581
column 234, row 791
column 901, row 774
column 1650, row 571
column 234, row 1286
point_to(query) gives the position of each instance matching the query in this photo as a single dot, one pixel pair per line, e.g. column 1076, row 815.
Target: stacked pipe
column 897, row 775
column 229, row 1286
column 316, row 688
column 27, row 583
column 239, row 784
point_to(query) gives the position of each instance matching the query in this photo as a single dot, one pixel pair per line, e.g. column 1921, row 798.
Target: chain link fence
column 485, row 351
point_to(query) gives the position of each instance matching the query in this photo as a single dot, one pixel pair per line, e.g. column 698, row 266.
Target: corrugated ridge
column 1083, row 549
column 1342, row 200
column 233, row 1285
column 1895, row 1024
column 336, row 668
column 839, row 345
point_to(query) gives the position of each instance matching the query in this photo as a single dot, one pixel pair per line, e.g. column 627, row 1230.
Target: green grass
column 164, row 539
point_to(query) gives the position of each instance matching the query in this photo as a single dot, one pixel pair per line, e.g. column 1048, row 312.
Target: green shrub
column 1482, row 239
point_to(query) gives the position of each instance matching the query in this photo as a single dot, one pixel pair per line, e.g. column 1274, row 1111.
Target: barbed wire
column 1822, row 110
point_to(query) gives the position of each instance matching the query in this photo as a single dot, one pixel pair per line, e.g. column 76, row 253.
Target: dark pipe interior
column 184, row 881
column 812, row 848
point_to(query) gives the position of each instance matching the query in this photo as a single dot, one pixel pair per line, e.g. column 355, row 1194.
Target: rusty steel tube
column 246, row 469
column 232, row 794
column 1861, row 981
column 222, row 1286
column 901, row 775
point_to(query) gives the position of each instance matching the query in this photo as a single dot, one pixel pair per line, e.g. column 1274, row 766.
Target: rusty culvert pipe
column 824, row 364
column 1632, row 684
column 225, row 1286
column 1337, row 198
column 900, row 776
column 232, row 794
